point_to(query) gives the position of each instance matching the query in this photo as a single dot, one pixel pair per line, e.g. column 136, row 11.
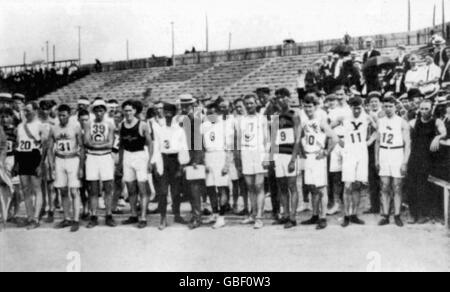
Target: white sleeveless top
column 390, row 130
column 314, row 139
column 99, row 133
column 216, row 136
column 253, row 132
column 66, row 139
column 26, row 143
column 355, row 133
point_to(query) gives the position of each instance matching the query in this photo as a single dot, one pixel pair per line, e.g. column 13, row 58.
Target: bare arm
column 51, row 145
column 79, row 137
column 406, row 132
column 148, row 138
column 442, row 130
column 297, row 137
column 273, row 137
column 332, row 136
column 3, row 146
column 372, row 131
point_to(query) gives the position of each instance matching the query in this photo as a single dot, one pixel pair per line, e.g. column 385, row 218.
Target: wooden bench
column 446, row 186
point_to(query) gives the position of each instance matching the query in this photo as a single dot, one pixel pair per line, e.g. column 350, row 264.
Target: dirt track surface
column 233, row 248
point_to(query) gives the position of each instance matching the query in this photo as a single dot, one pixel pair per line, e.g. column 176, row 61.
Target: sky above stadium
column 106, row 25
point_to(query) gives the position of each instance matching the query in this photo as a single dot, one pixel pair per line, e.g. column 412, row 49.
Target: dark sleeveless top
column 287, row 122
column 131, row 139
column 421, row 159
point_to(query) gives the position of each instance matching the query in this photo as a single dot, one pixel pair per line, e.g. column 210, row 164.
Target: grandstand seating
column 227, row 79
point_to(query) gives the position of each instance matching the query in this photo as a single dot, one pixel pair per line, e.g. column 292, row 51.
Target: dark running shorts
column 28, row 162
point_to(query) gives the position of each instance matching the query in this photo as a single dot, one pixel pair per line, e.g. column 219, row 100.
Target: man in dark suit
column 371, row 52
column 403, row 58
column 440, row 53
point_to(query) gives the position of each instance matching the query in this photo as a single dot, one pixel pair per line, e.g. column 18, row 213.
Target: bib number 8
column 9, row 146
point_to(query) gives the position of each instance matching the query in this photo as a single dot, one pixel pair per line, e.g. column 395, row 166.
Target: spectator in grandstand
column 301, row 84
column 371, row 52
column 350, row 74
column 395, row 82
column 313, row 78
column 98, row 67
column 414, row 76
column 402, row 58
column 18, row 107
column 440, row 54
column 431, row 76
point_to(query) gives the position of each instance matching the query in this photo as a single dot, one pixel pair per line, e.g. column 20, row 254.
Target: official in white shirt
column 171, row 142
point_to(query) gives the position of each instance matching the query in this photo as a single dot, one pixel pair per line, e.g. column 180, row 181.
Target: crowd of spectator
column 343, row 67
column 36, row 82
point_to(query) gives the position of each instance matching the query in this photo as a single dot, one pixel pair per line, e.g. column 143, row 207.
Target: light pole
column 79, row 45
column 173, row 43
column 46, row 50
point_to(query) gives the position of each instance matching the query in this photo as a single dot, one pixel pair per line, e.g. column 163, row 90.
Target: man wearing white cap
column 99, row 140
column 371, row 52
column 193, row 186
column 82, row 104
column 440, row 53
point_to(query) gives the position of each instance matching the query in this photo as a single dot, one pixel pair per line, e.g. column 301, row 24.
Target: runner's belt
column 99, row 154
column 9, row 154
column 392, row 148
column 115, row 151
column 75, row 155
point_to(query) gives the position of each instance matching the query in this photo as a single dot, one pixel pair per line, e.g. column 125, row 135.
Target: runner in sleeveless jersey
column 6, row 189
column 254, row 144
column 135, row 160
column 392, row 153
column 10, row 130
column 217, row 142
column 315, row 133
column 83, row 119
column 67, row 159
column 99, row 139
column 286, row 132
column 118, row 173
column 48, row 191
column 31, row 152
column 239, row 185
column 355, row 160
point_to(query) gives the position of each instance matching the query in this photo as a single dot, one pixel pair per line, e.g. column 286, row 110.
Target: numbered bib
column 249, row 135
column 99, row 133
column 285, row 136
column 9, row 146
column 65, row 146
column 25, row 146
